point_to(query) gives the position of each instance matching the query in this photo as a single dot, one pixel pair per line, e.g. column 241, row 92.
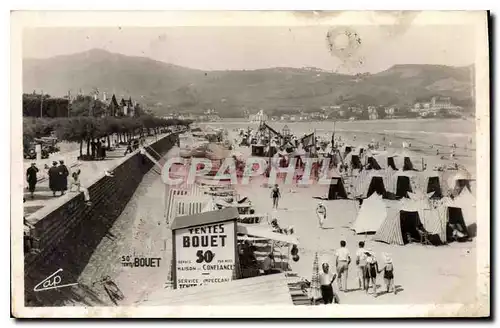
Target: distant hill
column 169, row 87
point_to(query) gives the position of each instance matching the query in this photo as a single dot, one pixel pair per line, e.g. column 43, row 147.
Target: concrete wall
column 70, row 233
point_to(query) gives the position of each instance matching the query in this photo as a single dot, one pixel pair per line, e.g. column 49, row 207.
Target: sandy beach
column 423, row 274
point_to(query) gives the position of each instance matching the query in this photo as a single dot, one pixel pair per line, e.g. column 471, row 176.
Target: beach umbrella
column 315, row 291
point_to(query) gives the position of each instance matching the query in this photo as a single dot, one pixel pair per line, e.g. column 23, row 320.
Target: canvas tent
column 461, row 213
column 404, row 219
column 371, row 215
column 376, row 186
column 459, row 182
column 404, row 160
column 431, row 183
column 404, row 185
column 467, row 202
column 391, row 163
column 336, row 189
column 372, row 163
column 369, row 182
column 398, row 226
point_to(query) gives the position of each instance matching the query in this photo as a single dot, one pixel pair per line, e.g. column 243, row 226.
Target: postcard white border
column 477, row 20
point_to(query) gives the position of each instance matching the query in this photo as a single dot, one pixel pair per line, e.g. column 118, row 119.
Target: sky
column 345, row 49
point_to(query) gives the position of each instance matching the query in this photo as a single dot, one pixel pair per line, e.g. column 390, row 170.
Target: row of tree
column 37, row 105
column 85, row 129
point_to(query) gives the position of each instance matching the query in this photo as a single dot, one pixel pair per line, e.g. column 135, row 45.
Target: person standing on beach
column 275, row 195
column 343, row 259
column 31, row 178
column 388, row 270
column 326, row 279
column 321, row 213
column 371, row 272
column 361, row 263
column 53, row 178
column 63, row 176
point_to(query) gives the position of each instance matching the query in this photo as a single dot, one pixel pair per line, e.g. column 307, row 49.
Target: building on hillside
column 113, row 107
column 356, row 110
column 441, row 102
column 390, row 111
column 259, row 117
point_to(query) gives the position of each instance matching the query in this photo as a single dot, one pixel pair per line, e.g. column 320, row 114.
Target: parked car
column 31, row 154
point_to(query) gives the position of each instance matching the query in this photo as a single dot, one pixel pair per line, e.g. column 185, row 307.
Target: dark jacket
column 54, row 178
column 31, row 175
column 63, row 177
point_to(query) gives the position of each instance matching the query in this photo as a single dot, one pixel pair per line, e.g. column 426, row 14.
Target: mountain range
column 165, row 87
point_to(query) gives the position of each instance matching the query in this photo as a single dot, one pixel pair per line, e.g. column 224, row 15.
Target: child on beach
column 388, row 270
column 371, row 270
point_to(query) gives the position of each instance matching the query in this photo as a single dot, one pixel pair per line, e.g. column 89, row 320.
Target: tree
column 87, row 106
column 381, row 112
column 51, row 107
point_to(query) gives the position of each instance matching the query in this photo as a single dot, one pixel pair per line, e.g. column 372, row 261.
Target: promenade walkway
column 89, row 171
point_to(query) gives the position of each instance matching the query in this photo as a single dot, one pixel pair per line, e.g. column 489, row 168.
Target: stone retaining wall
column 69, row 234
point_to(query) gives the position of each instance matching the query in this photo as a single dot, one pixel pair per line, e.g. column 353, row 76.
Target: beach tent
column 467, row 202
column 346, row 150
column 371, row 162
column 461, row 211
column 353, row 160
column 336, row 189
column 360, row 150
column 369, row 182
column 391, row 163
column 404, row 160
column 459, row 182
column 452, row 214
column 376, row 186
column 399, row 224
column 432, row 184
column 429, row 215
column 403, row 184
column 371, row 215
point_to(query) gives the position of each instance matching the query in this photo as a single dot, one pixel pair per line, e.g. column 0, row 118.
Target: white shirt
column 325, row 279
column 342, row 254
column 360, row 254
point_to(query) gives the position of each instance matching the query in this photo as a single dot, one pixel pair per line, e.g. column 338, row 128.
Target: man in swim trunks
column 275, row 195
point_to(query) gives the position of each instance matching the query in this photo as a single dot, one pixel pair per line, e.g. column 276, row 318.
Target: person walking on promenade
column 343, row 260
column 103, row 149
column 75, row 181
column 31, row 178
column 275, row 195
column 54, row 178
column 326, row 279
column 63, row 177
column 129, row 148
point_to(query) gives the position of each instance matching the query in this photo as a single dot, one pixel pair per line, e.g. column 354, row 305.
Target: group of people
column 367, row 268
column 98, row 149
column 58, row 175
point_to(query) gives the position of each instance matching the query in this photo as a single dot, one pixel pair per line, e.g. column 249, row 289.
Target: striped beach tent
column 390, row 230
